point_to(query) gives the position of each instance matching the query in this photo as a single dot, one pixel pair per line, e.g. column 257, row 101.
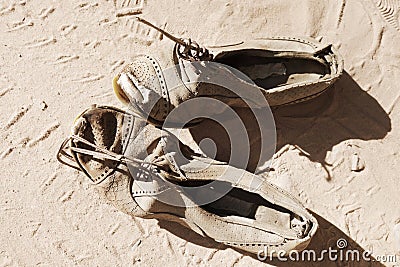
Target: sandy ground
column 58, row 57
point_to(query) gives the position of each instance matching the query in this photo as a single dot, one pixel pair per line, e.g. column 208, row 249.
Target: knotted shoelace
column 187, row 49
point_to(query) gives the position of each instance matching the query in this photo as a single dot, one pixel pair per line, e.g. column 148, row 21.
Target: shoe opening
column 243, row 206
column 269, row 71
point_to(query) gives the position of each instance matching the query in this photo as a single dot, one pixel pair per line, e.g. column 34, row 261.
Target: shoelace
column 192, row 51
column 104, row 154
column 99, row 153
column 187, row 49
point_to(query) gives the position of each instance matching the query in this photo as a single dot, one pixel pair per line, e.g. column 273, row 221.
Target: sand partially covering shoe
column 147, row 172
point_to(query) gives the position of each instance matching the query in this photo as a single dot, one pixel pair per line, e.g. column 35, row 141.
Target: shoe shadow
column 344, row 112
column 317, row 254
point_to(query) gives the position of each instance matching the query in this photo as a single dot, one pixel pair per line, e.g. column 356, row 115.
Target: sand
column 339, row 154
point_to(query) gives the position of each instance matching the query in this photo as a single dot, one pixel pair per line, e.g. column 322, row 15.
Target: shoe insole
column 242, row 204
column 269, row 72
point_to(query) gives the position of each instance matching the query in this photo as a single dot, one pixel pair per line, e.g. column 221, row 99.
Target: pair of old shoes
column 146, row 171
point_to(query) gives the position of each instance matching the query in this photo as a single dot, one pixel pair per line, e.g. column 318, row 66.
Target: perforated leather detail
column 147, row 73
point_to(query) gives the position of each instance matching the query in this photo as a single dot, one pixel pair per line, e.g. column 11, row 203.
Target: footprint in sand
column 8, row 9
column 46, row 12
column 128, row 7
column 67, row 29
column 64, row 59
column 41, row 42
column 390, row 11
column 20, row 25
column 355, row 11
column 141, row 32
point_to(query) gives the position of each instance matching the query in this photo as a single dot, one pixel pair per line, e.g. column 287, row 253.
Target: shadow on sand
column 326, row 237
column 344, row 112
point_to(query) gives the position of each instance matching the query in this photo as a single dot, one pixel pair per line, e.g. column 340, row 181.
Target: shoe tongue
column 142, row 139
column 142, row 84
